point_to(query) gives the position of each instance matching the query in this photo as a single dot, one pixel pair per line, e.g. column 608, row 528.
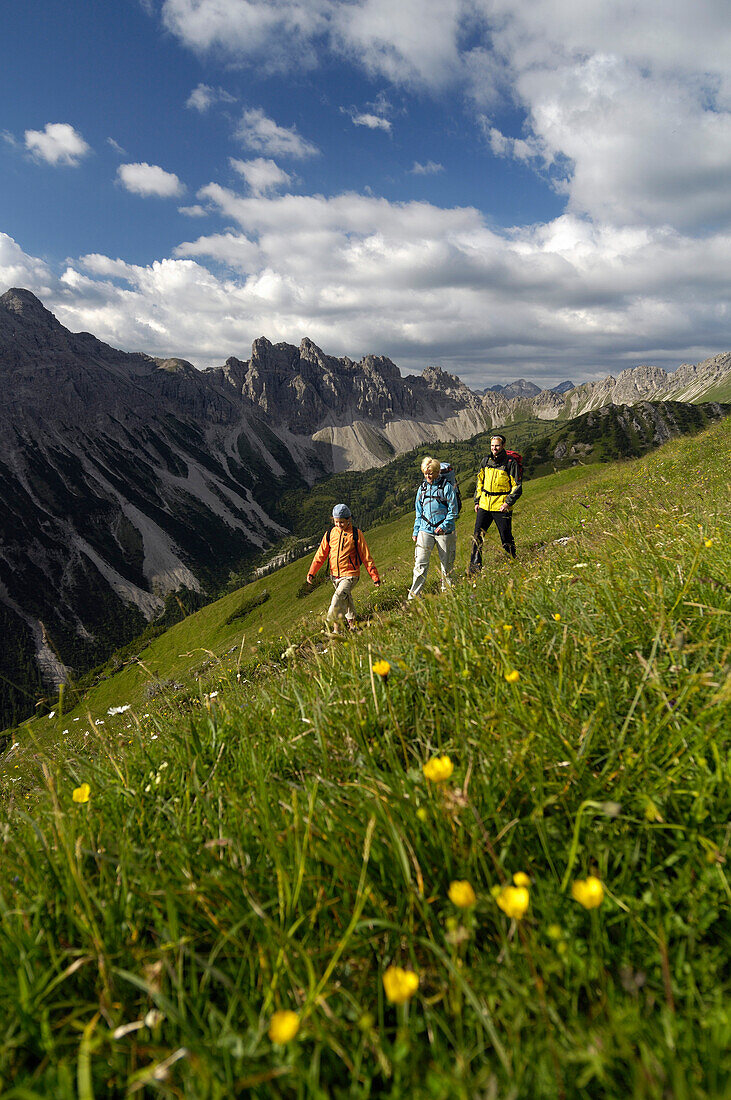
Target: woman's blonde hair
column 430, row 466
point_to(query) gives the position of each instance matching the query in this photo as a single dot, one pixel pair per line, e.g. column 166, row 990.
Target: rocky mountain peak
column 24, row 302
column 20, row 311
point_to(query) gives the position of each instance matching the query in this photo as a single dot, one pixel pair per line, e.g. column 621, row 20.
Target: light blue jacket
column 436, row 506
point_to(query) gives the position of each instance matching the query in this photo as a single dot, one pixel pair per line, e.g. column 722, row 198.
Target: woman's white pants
column 446, row 548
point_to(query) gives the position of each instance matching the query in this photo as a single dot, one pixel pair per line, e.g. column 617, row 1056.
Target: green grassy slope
column 277, row 846
column 215, row 642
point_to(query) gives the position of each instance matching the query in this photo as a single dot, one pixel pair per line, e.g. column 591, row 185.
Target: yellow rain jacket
column 497, row 483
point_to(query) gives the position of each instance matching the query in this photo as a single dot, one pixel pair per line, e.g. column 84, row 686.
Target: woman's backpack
column 446, row 473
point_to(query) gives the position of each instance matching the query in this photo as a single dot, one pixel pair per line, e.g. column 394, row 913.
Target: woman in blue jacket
column 436, row 511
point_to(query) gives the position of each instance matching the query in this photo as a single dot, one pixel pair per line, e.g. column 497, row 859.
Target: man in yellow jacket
column 345, row 548
column 498, row 487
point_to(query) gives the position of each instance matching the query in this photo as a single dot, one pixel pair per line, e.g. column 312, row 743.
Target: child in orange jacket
column 345, row 551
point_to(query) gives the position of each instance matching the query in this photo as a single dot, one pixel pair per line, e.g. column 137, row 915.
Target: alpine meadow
column 365, row 550
column 476, row 849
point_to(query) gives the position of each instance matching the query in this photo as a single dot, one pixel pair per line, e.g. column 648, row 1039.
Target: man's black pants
column 504, row 523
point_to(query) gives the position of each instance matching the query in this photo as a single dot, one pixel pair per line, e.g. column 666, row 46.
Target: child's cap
column 341, row 511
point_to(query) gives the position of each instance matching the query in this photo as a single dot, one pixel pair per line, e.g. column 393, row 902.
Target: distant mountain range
column 125, row 477
column 521, row 388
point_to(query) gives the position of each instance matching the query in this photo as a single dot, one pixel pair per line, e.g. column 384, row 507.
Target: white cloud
column 428, row 169
column 276, row 32
column 117, row 147
column 372, row 122
column 17, row 269
column 203, row 97
column 411, row 280
column 413, row 42
column 628, row 104
column 517, row 148
column 262, row 175
column 257, row 131
column 194, row 211
column 58, row 143
column 149, row 179
column 421, row 283
column 639, row 149
column 234, row 250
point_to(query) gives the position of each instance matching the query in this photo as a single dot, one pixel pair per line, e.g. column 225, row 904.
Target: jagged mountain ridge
column 367, row 413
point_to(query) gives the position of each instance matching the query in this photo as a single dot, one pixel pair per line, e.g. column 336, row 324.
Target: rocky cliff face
column 122, row 478
column 306, row 390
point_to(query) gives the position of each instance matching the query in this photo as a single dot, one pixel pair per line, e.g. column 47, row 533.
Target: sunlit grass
column 272, row 890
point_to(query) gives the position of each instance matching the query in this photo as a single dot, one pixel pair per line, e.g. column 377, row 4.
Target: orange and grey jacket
column 344, row 558
column 497, row 483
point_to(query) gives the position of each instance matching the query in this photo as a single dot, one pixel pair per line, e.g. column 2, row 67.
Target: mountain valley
column 126, row 478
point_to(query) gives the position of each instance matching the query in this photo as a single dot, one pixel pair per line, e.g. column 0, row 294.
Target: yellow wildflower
column 513, row 900
column 284, row 1026
column 438, row 769
column 382, row 669
column 557, row 617
column 400, row 985
column 461, row 894
column 521, row 879
column 589, row 892
column 422, row 813
column 81, row 794
column 513, row 676
column 709, row 543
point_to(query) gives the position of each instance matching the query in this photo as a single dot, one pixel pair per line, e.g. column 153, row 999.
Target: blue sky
column 536, row 188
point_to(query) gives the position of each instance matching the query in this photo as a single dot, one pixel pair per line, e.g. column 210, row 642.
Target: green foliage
column 272, row 842
column 246, row 606
column 376, row 495
column 613, row 432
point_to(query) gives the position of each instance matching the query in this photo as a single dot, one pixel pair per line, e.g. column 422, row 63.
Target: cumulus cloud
column 414, row 42
column 17, row 269
column 428, row 169
column 257, row 131
column 629, row 106
column 261, row 174
column 149, row 179
column 203, row 97
column 194, row 211
column 638, row 149
column 417, row 282
column 371, row 121
column 57, row 144
column 275, row 32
